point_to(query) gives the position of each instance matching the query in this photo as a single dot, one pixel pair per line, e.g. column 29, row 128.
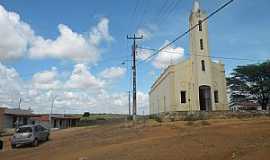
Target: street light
column 52, row 105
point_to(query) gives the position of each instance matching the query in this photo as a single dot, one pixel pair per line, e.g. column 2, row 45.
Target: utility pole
column 134, row 46
column 51, row 112
column 20, row 102
column 17, row 118
column 129, row 105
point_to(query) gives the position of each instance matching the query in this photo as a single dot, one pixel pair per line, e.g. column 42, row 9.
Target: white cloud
column 143, row 101
column 100, row 32
column 145, row 33
column 15, row 35
column 80, row 93
column 143, row 54
column 81, row 78
column 69, row 45
column 46, row 80
column 168, row 56
column 10, row 85
column 113, row 72
column 21, row 40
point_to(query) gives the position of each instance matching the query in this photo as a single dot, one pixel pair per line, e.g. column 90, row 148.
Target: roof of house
column 45, row 117
column 247, row 104
column 17, row 111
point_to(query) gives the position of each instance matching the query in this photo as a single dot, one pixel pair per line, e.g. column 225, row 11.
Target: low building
column 246, row 106
column 57, row 120
column 14, row 117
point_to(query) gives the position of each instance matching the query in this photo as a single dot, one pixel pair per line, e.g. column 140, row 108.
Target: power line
column 217, row 57
column 168, row 10
column 189, row 30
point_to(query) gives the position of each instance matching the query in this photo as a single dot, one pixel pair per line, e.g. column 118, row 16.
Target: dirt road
column 221, row 139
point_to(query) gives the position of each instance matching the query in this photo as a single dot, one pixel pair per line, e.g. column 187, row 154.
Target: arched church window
column 201, row 44
column 200, row 25
column 183, row 96
column 216, row 96
column 203, row 65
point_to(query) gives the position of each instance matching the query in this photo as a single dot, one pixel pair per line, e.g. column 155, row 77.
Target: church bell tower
column 201, row 74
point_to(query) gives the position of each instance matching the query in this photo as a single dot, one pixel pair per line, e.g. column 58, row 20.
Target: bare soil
column 245, row 139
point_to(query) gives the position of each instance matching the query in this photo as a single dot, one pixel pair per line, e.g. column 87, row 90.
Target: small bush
column 156, row 118
column 129, row 118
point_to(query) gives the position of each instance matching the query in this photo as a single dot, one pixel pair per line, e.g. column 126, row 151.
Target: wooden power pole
column 134, row 38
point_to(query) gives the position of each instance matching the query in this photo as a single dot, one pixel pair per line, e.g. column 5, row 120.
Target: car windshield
column 24, row 130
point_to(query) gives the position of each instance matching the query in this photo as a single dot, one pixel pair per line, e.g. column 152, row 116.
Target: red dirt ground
column 247, row 139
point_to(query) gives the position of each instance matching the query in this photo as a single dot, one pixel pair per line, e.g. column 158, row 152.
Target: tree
column 86, row 114
column 251, row 82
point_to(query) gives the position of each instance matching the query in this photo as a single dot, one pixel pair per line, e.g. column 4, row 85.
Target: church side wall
column 160, row 98
column 183, row 83
column 219, row 84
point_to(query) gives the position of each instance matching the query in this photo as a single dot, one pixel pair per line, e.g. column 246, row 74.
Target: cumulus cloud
column 69, row 45
column 46, row 80
column 20, row 40
column 81, row 92
column 113, row 72
column 170, row 55
column 100, row 32
column 72, row 45
column 143, row 54
column 10, row 85
column 146, row 33
column 15, row 35
column 81, row 78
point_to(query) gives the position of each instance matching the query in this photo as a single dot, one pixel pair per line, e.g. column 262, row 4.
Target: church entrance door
column 205, row 98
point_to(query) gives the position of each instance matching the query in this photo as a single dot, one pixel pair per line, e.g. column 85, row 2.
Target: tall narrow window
column 203, row 65
column 183, row 97
column 200, row 25
column 216, row 96
column 201, row 44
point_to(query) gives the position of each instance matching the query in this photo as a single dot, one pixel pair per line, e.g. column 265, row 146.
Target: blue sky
column 240, row 30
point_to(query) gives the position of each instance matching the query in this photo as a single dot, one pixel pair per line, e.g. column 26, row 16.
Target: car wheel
column 35, row 143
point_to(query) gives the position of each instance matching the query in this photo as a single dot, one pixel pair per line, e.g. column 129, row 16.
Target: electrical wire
column 189, row 30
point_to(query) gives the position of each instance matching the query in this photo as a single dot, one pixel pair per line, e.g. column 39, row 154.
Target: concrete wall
column 8, row 121
column 198, row 115
column 182, row 83
column 2, row 110
column 161, row 95
column 219, row 84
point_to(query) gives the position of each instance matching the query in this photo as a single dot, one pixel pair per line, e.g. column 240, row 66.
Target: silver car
column 30, row 134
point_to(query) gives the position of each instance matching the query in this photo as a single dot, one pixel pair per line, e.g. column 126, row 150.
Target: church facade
column 195, row 84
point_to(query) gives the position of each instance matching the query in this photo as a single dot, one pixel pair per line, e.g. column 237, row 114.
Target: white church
column 195, row 84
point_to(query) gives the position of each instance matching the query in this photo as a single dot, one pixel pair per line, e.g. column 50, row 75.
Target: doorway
column 205, row 98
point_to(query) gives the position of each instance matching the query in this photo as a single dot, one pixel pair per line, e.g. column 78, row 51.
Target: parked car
column 30, row 134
